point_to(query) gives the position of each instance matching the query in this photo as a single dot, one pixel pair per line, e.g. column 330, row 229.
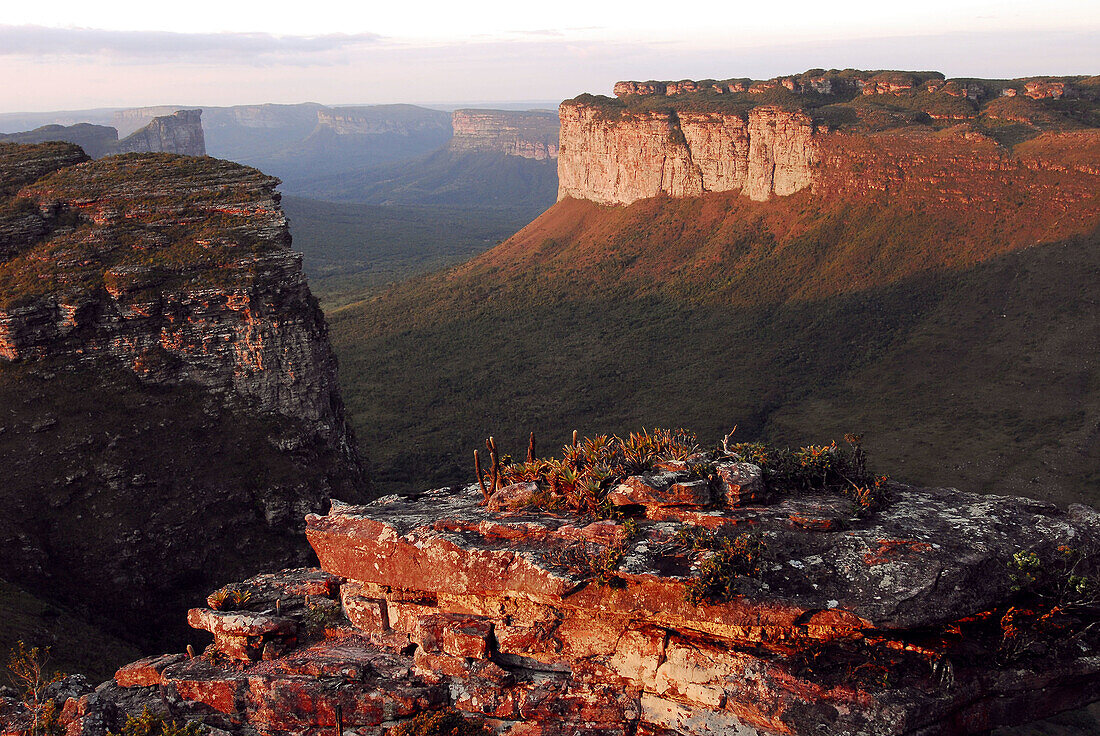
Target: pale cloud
column 103, row 69
column 162, row 47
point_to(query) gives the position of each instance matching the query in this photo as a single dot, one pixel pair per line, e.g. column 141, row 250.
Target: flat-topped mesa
column 788, row 134
column 769, row 151
column 172, row 132
column 531, row 134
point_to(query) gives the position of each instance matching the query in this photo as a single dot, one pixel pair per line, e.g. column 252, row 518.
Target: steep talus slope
column 170, row 406
column 930, row 286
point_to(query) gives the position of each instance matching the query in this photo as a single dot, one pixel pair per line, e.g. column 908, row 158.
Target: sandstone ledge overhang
column 932, row 556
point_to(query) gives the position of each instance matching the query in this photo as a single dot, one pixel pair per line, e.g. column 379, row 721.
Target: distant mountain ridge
column 173, row 132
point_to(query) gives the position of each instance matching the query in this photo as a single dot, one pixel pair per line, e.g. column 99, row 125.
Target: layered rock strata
column 180, row 132
column 171, row 409
column 766, row 138
column 531, row 135
column 251, row 331
column 612, row 160
column 536, row 623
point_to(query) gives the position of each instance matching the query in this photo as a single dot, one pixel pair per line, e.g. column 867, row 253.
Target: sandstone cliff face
column 380, row 120
column 531, row 135
column 129, row 121
column 170, row 387
column 619, row 159
column 766, row 137
column 180, row 132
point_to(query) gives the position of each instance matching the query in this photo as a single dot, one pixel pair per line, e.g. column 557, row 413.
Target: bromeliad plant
column 818, row 468
column 589, row 469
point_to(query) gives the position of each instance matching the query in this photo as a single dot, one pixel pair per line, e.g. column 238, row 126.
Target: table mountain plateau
column 168, row 397
column 893, row 253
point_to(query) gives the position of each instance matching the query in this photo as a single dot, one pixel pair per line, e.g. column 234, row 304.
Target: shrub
column 321, row 615
column 588, row 469
column 27, row 671
column 590, row 562
column 447, row 722
column 150, row 724
column 728, row 560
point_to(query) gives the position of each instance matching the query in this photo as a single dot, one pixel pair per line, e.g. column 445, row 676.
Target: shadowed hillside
column 952, row 330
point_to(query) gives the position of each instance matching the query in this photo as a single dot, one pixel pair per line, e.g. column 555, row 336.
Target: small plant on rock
column 589, row 468
column 321, row 615
column 1057, row 597
column 151, row 724
column 28, row 672
column 229, row 599
column 729, row 558
column 590, row 562
column 446, row 722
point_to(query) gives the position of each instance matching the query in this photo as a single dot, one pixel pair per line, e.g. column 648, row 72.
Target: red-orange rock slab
column 368, row 614
column 455, row 634
column 145, row 672
column 661, row 489
column 739, row 484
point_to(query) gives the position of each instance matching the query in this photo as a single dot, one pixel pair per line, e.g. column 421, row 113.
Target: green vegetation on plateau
column 177, row 219
column 997, row 107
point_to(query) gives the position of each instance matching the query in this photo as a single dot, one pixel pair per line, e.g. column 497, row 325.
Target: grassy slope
column 75, row 645
column 480, row 180
column 352, row 248
column 795, row 320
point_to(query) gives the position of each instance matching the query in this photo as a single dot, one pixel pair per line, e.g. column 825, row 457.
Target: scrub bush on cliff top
column 448, row 722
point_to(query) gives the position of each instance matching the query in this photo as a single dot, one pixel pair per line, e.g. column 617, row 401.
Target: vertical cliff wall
column 614, row 158
column 531, row 135
column 180, row 132
column 170, row 394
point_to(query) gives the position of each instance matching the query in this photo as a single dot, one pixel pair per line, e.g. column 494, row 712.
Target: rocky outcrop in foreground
column 716, row 604
column 530, row 134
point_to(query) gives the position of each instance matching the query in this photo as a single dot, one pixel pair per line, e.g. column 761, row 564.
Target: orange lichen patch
column 891, row 549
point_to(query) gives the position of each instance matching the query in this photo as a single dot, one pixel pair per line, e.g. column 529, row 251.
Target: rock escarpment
column 769, row 151
column 716, row 604
column 765, row 138
column 171, row 396
column 179, row 132
column 406, row 120
column 531, row 134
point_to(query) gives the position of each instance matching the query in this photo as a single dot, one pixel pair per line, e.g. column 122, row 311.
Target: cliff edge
column 170, row 392
column 780, row 136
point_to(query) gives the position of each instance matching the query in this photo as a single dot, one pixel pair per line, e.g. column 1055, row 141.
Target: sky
column 64, row 54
